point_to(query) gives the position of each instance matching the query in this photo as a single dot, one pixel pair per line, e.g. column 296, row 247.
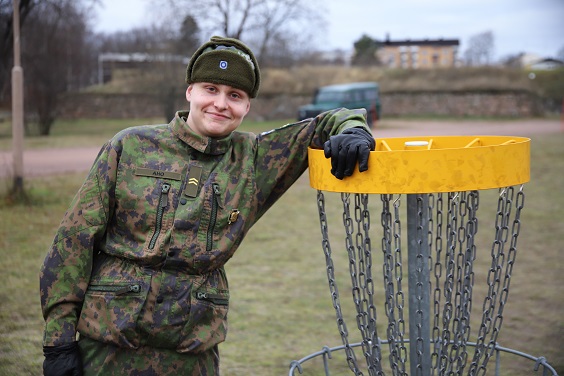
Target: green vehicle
column 353, row 95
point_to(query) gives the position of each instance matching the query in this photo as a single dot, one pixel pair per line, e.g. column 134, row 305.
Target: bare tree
column 140, row 39
column 512, row 60
column 266, row 25
column 165, row 51
column 560, row 54
column 153, row 39
column 480, row 49
column 167, row 74
column 53, row 52
column 56, row 60
column 7, row 37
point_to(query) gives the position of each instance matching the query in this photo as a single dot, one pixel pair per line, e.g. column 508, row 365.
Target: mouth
column 216, row 115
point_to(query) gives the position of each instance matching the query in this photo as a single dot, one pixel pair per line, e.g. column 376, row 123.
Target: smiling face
column 216, row 110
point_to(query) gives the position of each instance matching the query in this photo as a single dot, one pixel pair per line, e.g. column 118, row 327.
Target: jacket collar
column 206, row 145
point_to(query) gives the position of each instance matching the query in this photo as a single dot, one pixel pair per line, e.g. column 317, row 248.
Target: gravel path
column 40, row 162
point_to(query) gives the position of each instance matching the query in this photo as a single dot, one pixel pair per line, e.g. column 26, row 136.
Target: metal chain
column 498, row 286
column 392, row 267
column 371, row 343
column 398, row 274
column 449, row 265
column 421, row 283
column 387, row 266
column 436, row 240
column 453, row 225
column 465, row 277
column 468, row 250
column 358, row 272
column 351, row 358
column 449, row 353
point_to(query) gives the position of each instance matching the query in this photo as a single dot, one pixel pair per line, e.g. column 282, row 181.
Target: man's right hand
column 63, row 360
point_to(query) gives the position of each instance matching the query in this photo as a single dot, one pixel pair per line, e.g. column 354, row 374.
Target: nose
column 220, row 102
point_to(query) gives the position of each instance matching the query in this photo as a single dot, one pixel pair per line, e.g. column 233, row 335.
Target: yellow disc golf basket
column 428, row 328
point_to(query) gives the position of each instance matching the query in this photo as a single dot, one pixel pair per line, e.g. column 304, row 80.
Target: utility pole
column 17, row 107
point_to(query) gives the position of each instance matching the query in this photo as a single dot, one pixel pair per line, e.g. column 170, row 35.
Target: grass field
column 281, row 308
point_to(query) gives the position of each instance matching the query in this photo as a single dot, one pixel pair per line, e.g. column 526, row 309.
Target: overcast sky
column 533, row 26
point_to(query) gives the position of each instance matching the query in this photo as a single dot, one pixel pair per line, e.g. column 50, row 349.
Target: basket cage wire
column 413, row 297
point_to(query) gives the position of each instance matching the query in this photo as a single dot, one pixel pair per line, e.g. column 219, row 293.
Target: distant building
column 336, row 56
column 547, row 64
column 418, row 54
column 522, row 60
column 533, row 62
column 109, row 61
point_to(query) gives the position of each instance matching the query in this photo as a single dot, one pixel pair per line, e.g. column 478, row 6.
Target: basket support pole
column 418, row 284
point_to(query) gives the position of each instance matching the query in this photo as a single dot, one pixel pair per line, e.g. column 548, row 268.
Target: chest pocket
column 144, row 211
column 227, row 202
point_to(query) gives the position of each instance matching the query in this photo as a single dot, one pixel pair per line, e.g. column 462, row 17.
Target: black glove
column 346, row 148
column 63, row 360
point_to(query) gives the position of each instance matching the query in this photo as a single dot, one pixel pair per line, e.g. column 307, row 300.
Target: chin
column 218, row 134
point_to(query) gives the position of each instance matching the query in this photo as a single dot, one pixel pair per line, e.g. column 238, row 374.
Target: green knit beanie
column 225, row 61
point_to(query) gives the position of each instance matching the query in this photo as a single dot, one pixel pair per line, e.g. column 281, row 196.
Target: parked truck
column 351, row 95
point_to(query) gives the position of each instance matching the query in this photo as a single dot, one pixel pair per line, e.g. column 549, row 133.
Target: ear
column 248, row 107
column 189, row 93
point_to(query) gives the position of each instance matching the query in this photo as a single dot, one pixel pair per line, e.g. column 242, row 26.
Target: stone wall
column 491, row 104
column 267, row 107
column 119, row 106
column 113, row 106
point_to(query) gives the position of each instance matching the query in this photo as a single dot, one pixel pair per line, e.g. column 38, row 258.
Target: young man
column 137, row 265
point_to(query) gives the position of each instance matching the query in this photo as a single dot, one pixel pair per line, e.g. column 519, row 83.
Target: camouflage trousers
column 108, row 360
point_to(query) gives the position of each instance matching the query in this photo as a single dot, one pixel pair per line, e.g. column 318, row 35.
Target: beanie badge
column 223, row 64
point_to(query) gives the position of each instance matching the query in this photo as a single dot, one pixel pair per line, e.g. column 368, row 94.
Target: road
column 41, row 162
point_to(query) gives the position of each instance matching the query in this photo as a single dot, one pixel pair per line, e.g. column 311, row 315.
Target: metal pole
column 100, row 70
column 562, row 116
column 17, row 106
column 418, row 284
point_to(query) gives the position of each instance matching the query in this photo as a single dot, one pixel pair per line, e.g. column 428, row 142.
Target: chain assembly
column 351, row 357
column 393, row 290
column 449, row 353
column 360, row 267
column 446, row 225
column 499, row 275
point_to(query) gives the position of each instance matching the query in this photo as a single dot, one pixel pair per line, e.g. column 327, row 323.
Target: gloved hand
column 63, row 360
column 346, row 148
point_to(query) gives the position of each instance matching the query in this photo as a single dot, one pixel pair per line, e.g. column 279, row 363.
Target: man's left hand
column 347, row 148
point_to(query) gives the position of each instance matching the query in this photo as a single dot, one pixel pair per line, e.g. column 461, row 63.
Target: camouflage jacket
column 138, row 258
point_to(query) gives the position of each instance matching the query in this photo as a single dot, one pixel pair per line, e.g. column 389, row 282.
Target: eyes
column 233, row 93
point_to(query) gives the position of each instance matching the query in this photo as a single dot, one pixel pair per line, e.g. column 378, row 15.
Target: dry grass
column 304, row 80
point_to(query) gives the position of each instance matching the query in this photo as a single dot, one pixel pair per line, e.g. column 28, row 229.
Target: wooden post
column 17, row 106
column 562, row 116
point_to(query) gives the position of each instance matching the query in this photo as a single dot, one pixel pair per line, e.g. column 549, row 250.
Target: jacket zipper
column 118, row 290
column 213, row 219
column 214, row 298
column 163, row 202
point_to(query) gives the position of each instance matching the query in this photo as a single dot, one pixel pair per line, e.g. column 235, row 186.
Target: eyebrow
column 232, row 88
